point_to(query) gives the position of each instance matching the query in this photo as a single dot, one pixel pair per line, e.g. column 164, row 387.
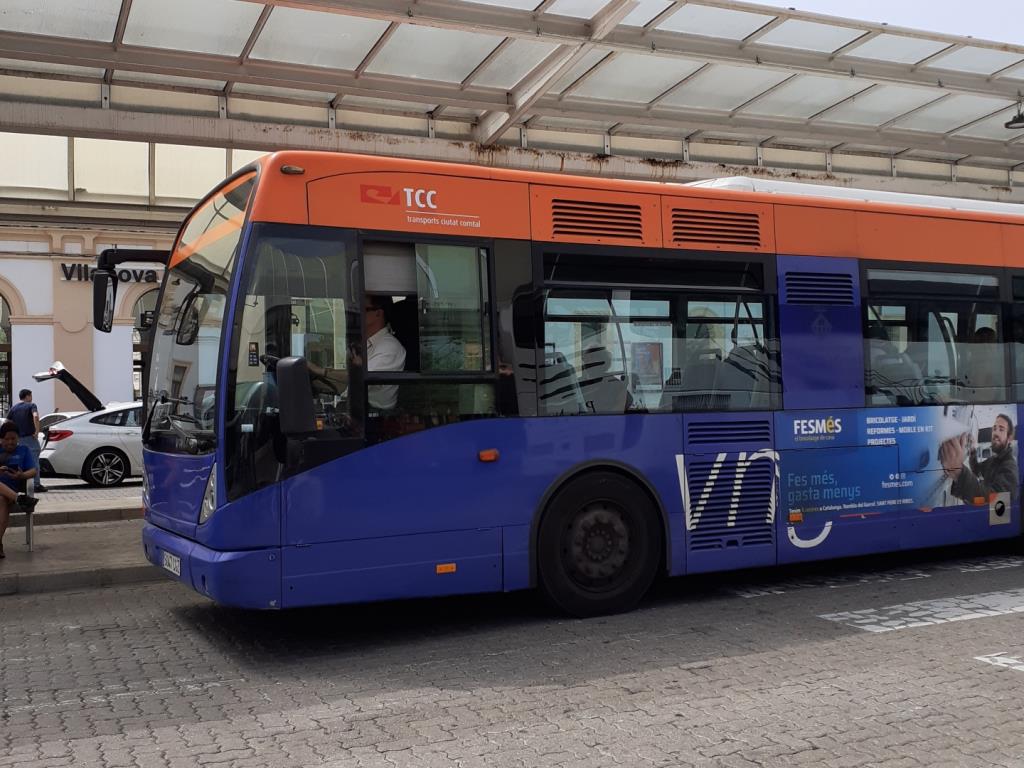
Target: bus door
column 936, row 372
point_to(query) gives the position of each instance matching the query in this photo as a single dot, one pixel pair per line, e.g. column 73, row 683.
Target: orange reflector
column 444, row 568
column 488, row 454
column 796, row 517
column 979, row 501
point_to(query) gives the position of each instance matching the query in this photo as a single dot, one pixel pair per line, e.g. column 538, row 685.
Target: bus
column 377, row 378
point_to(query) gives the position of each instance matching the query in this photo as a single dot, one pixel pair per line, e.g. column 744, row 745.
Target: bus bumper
column 249, row 579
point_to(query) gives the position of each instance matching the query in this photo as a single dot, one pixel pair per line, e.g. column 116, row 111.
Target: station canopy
column 710, row 70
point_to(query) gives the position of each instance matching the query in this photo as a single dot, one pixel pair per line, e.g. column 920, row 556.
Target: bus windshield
column 181, row 392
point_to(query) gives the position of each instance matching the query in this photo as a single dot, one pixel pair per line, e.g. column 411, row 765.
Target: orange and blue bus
column 376, row 378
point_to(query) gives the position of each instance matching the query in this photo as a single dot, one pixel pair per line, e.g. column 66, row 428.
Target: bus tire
column 598, row 545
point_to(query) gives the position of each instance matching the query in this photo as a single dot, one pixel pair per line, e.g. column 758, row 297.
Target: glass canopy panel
column 880, row 105
column 242, row 157
column 978, row 61
column 521, row 5
column 714, row 22
column 316, row 38
column 993, row 128
column 1017, row 73
column 645, row 12
column 635, row 77
column 514, row 63
column 34, row 162
column 184, row 82
column 284, row 93
column 565, row 123
column 204, row 26
column 50, row 69
column 111, row 168
column 188, row 172
column 949, row 114
column 586, row 62
column 809, row 36
column 461, row 112
column 368, row 102
column 724, row 87
column 805, row 96
column 428, row 53
column 581, row 9
column 82, row 19
column 897, row 49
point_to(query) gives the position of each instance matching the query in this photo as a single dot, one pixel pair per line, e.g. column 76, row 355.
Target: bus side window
column 439, row 311
column 933, row 341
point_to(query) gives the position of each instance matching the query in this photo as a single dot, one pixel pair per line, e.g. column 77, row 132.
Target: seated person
column 16, row 466
column 986, row 363
column 384, row 352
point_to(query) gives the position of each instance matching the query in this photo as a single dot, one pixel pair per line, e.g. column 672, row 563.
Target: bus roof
column 797, row 189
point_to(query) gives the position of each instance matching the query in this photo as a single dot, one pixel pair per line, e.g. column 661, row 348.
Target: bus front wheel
column 599, row 545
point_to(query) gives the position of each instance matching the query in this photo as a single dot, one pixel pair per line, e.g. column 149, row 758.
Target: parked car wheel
column 105, row 467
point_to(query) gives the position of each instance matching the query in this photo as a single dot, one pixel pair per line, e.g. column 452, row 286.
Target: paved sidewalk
column 73, row 501
column 75, row 556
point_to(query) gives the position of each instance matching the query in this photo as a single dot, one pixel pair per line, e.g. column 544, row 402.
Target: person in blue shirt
column 25, row 415
column 16, row 466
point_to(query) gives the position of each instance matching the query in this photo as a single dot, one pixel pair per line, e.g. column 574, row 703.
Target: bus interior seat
column 559, row 389
column 404, row 321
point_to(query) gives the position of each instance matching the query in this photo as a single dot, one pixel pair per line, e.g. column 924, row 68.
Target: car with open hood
column 102, row 445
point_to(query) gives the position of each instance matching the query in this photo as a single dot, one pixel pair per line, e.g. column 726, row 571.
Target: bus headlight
column 209, row 498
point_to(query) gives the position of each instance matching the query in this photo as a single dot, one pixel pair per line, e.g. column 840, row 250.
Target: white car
column 102, row 447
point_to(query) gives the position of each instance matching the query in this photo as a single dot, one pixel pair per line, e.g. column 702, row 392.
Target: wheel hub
column 598, row 543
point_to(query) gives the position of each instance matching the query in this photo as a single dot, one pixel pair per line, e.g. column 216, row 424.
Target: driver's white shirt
column 384, row 353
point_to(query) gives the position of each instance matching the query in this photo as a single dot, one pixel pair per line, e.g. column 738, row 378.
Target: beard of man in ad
column 974, row 482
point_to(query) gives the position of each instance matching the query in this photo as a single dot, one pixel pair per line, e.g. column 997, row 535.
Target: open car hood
column 82, row 392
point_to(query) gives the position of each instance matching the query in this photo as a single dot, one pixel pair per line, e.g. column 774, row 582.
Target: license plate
column 172, row 563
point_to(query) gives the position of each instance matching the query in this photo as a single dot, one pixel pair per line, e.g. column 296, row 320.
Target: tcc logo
column 423, row 199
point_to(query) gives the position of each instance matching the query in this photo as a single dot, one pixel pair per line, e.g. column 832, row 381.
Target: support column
column 112, row 363
column 31, row 352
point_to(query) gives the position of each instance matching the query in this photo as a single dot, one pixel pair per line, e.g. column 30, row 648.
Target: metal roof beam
column 89, row 53
column 257, row 30
column 122, row 22
column 798, row 128
column 471, row 17
column 537, row 83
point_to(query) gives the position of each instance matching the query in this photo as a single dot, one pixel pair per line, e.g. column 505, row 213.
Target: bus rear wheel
column 599, row 545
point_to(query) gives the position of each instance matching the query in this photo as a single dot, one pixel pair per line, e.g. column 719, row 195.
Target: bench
column 27, row 489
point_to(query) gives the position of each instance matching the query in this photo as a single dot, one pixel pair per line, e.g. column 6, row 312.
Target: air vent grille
column 819, row 288
column 730, row 504
column 728, row 228
column 719, row 433
column 587, row 218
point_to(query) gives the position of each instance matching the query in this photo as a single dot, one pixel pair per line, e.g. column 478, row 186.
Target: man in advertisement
column 974, row 482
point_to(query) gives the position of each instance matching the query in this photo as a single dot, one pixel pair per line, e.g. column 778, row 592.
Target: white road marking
column 930, row 612
column 1002, row 660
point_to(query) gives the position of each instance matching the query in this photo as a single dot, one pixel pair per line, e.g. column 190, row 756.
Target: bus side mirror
column 104, row 291
column 295, row 394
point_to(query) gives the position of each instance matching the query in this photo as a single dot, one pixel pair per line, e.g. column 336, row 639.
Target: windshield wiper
column 191, row 443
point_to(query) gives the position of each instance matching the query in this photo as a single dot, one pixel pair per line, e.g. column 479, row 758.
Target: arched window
column 143, row 311
column 5, row 356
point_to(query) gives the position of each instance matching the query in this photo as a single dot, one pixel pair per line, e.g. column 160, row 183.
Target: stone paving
column 74, row 556
column 154, row 676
